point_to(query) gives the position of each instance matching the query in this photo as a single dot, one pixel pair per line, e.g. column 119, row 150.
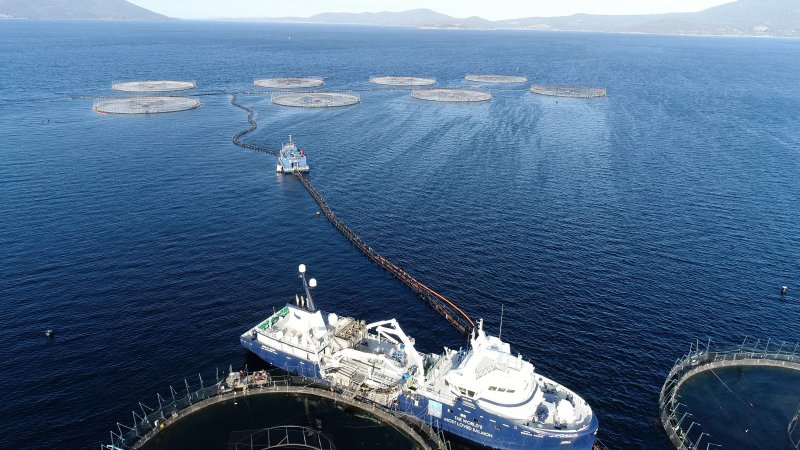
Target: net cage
column 153, row 86
column 498, row 79
column 289, row 82
column 402, row 81
column 568, row 91
column 144, row 105
column 451, row 95
column 316, row 99
column 686, row 431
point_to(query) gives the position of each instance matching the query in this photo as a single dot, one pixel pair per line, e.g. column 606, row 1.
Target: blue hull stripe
column 492, row 431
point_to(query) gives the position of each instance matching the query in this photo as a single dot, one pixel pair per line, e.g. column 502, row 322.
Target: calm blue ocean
column 614, row 231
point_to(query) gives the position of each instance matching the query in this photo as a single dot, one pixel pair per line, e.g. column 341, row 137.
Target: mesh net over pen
column 498, row 79
column 402, row 81
column 289, row 83
column 153, row 86
column 316, row 99
column 451, row 95
column 145, row 105
column 568, row 91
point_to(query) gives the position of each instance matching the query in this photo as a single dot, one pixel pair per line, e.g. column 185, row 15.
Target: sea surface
column 613, row 232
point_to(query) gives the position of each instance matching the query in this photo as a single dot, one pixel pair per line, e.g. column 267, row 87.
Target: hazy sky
column 488, row 9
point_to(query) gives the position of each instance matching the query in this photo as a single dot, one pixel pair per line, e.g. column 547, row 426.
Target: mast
column 308, row 285
column 500, row 334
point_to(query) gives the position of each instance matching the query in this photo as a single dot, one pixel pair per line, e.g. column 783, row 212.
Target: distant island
column 76, row 9
column 738, row 18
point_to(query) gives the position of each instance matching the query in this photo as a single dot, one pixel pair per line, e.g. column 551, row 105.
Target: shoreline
column 420, row 27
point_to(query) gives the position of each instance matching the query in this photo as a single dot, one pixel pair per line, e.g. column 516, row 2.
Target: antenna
column 500, row 334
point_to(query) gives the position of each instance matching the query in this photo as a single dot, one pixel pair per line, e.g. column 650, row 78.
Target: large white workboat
column 291, row 159
column 483, row 394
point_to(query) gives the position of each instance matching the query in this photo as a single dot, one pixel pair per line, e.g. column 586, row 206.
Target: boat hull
column 476, row 425
column 282, row 360
column 462, row 419
column 281, row 169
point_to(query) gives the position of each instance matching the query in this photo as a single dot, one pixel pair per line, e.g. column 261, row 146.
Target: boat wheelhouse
column 291, row 159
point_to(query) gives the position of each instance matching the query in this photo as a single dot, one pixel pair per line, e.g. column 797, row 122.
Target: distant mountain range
column 76, row 9
column 742, row 18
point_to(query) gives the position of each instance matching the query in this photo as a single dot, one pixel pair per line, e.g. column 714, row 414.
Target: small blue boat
column 292, row 159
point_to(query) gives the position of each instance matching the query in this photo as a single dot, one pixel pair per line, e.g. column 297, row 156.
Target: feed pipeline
column 446, row 308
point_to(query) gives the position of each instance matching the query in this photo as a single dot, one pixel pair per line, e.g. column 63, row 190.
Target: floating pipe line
column 460, row 321
column 447, row 309
column 237, row 138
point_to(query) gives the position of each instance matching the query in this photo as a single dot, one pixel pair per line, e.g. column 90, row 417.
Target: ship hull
column 282, row 360
column 461, row 419
column 281, row 169
column 476, row 425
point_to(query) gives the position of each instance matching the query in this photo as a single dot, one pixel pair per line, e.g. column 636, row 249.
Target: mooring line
column 447, row 309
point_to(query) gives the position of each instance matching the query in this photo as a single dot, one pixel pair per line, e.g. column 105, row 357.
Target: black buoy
column 784, row 290
column 49, row 333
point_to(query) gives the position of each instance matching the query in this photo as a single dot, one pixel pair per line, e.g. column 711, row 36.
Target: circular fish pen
column 145, row 105
column 153, row 86
column 741, row 397
column 316, row 100
column 568, row 91
column 451, row 95
column 497, row 79
column 207, row 415
column 289, row 83
column 402, row 81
